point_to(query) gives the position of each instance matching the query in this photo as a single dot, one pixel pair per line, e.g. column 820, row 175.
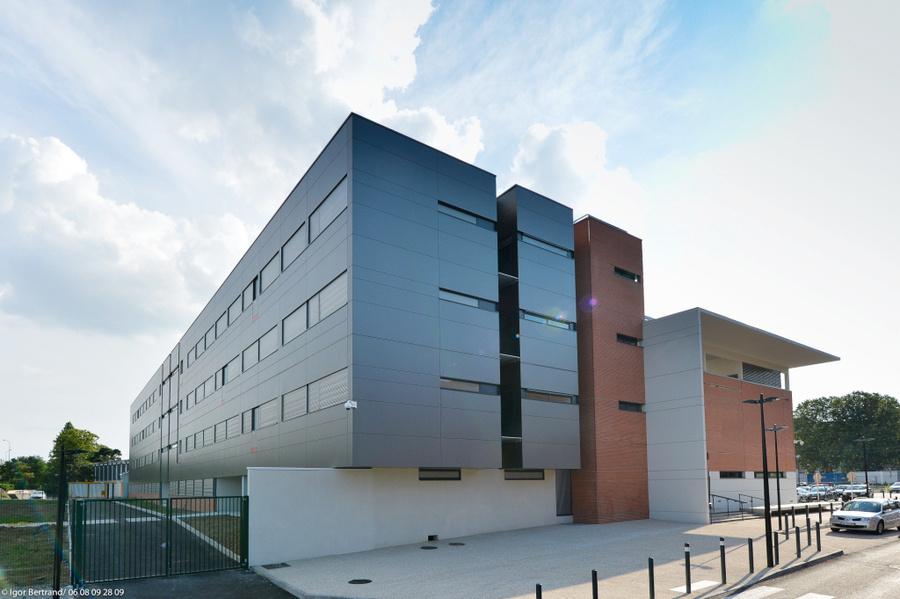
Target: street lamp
column 762, row 401
column 864, row 441
column 8, row 451
column 62, row 498
column 775, row 428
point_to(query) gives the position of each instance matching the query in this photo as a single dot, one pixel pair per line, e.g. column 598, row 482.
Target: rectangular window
column 328, row 210
column 251, row 356
column 333, row 296
column 466, row 216
column 198, row 440
column 249, row 294
column 219, row 378
column 312, row 307
column 771, row 475
column 268, row 343
column 220, row 433
column 523, row 475
column 233, row 427
column 329, row 391
column 247, row 421
column 294, row 324
column 466, row 300
column 269, row 273
column 265, row 414
column 471, row 387
column 189, row 443
column 294, row 404
column 628, row 340
column 200, row 347
column 209, row 436
column 629, row 406
column 199, row 394
column 234, row 310
column 231, row 370
column 189, row 400
column 190, row 357
column 209, row 386
column 732, row 475
column 627, row 274
column 547, row 320
column 546, row 246
column 221, row 325
column 545, row 396
column 210, row 336
column 440, row 474
column 293, row 247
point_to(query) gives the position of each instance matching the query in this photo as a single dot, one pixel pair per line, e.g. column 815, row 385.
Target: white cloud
column 76, row 258
column 461, row 138
column 567, row 163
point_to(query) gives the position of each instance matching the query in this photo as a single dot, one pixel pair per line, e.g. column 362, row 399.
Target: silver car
column 867, row 514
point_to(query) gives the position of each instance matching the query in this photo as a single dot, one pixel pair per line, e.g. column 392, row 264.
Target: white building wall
column 676, row 421
column 298, row 513
column 749, row 487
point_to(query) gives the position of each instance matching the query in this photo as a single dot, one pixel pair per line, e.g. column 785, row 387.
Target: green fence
column 28, row 544
column 141, row 538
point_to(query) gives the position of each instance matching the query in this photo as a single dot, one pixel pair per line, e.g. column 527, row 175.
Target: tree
column 23, row 473
column 829, row 427
column 79, row 466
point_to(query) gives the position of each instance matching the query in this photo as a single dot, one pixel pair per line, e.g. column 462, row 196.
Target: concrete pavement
column 507, row 565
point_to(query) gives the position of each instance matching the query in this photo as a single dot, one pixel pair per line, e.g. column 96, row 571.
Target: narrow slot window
column 629, row 406
column 547, row 396
column 731, row 474
column 467, row 217
column 440, row 474
column 523, row 475
column 628, row 340
column 546, row 246
column 467, row 300
column 627, row 274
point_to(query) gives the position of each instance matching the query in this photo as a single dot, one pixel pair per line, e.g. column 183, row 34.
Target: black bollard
column 722, row 558
column 537, row 591
column 818, row 538
column 807, row 510
column 687, row 568
column 777, row 543
column 793, row 515
column 787, row 533
column 750, row 552
column 594, row 583
column 820, row 513
column 808, row 533
column 797, row 532
column 652, row 583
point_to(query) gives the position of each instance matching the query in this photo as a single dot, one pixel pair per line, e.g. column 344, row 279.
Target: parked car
column 894, row 488
column 854, row 491
column 838, row 491
column 819, row 493
column 38, row 495
column 867, row 514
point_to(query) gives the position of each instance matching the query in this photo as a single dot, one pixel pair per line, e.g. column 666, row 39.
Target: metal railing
column 728, row 513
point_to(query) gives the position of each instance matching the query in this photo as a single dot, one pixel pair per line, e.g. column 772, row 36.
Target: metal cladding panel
column 385, row 418
column 549, row 379
column 469, row 424
column 545, row 257
column 551, row 456
column 471, row 453
column 398, row 392
column 548, row 303
column 468, row 367
column 393, row 142
column 384, row 196
column 401, row 171
column 472, row 175
column 329, row 452
column 377, row 294
column 390, row 259
column 543, row 206
column 397, row 325
column 394, row 355
column 463, row 400
column 468, row 253
column 469, row 281
column 467, row 197
column 466, row 230
column 470, row 339
column 451, row 312
column 545, row 332
column 562, row 431
column 375, row 224
column 398, row 451
column 545, row 277
column 533, row 224
column 549, row 409
column 548, row 353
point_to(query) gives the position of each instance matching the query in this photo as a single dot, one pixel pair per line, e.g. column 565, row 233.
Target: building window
column 293, row 324
column 546, row 396
column 328, row 391
column 268, row 343
column 628, row 340
column 771, row 475
column 220, row 433
column 734, row 474
column 233, row 427
column 333, row 296
column 265, row 414
column 629, row 406
column 234, row 310
column 627, row 274
column 470, row 386
column 221, row 325
column 210, row 336
column 293, row 404
column 209, row 386
column 294, row 246
column 523, row 475
column 440, row 474
column 466, row 216
column 269, row 273
column 467, row 300
column 249, row 294
column 231, row 370
column 247, row 422
column 251, row 356
column 763, row 376
column 558, row 323
column 328, row 210
column 546, row 246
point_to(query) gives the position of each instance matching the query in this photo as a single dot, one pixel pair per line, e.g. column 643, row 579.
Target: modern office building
column 370, row 362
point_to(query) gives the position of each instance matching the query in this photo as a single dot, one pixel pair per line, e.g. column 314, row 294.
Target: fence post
column 722, row 558
column 818, row 538
column 750, row 551
column 797, row 532
column 168, row 536
column 652, row 582
column 76, row 542
column 245, row 531
column 537, row 591
column 594, row 583
column 687, row 567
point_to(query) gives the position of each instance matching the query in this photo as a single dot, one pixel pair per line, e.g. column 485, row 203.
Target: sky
column 143, row 146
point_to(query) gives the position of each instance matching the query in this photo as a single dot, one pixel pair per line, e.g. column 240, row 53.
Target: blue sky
column 751, row 145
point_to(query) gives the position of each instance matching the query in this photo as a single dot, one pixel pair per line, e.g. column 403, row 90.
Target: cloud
column 75, row 258
column 567, row 163
column 461, row 138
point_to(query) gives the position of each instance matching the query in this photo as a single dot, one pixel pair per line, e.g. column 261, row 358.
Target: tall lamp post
column 762, row 401
column 62, row 498
column 775, row 428
column 864, row 441
column 8, row 451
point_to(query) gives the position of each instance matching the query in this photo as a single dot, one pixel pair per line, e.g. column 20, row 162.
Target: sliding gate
column 119, row 539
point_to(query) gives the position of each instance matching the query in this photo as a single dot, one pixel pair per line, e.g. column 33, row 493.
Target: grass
column 224, row 530
column 26, row 557
column 27, row 511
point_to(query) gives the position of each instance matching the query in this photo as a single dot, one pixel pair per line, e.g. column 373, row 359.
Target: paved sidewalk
column 507, row 565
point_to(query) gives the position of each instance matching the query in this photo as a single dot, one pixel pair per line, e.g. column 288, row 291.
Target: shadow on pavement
column 228, row 584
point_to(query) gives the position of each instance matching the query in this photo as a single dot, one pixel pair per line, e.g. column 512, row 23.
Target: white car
column 894, row 488
column 867, row 514
column 38, row 495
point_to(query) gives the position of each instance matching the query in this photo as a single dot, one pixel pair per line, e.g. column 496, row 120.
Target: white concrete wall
column 676, row 421
column 229, row 486
column 751, row 486
column 298, row 513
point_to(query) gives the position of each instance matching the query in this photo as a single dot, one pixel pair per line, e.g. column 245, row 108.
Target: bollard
column 797, row 532
column 820, row 513
column 807, row 510
column 722, row 557
column 787, row 533
column 777, row 543
column 830, row 507
column 793, row 515
column 594, row 583
column 750, row 552
column 808, row 533
column 818, row 538
column 537, row 591
column 687, row 568
column 652, row 584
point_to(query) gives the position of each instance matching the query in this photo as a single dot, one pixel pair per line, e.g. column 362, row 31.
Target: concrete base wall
column 302, row 513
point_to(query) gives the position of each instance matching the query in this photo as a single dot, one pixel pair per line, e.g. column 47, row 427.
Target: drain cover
column 456, row 544
column 360, row 581
column 276, row 566
column 427, row 547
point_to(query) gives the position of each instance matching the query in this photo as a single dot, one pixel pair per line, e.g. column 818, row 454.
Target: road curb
column 779, row 573
column 293, row 590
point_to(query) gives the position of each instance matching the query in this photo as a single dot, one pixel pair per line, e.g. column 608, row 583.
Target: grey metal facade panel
column 469, row 339
column 469, row 424
column 544, row 206
column 396, row 376
column 549, row 379
column 330, row 452
column 551, row 456
column 375, row 224
column 544, row 277
column 471, row 453
column 466, row 230
column 372, row 196
column 392, row 281
column 532, row 224
column 468, row 281
column 464, row 400
column 453, row 312
column 549, row 303
column 471, row 175
column 468, row 253
column 471, row 199
column 399, row 451
column 469, row 367
column 386, row 418
column 549, row 409
column 386, row 258
column 549, row 333
column 546, row 258
column 393, row 142
column 547, row 353
column 366, row 389
column 383, row 353
column 549, row 430
column 376, row 294
column 401, row 171
column 382, row 322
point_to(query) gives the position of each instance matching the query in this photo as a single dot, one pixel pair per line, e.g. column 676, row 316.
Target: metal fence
column 28, row 544
column 141, row 538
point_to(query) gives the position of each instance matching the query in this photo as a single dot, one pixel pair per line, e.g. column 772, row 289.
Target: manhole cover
column 427, row 547
column 456, row 544
column 360, row 581
column 276, row 566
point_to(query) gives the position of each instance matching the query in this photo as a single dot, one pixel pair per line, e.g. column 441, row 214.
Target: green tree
column 23, row 473
column 829, row 427
column 79, row 466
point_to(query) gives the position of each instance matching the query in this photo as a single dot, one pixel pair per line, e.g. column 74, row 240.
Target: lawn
column 25, row 511
column 26, row 556
column 224, row 530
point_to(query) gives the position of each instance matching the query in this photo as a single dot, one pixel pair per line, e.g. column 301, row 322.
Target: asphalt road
column 869, row 574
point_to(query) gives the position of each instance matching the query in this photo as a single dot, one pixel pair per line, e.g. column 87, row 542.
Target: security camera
column 350, row 404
